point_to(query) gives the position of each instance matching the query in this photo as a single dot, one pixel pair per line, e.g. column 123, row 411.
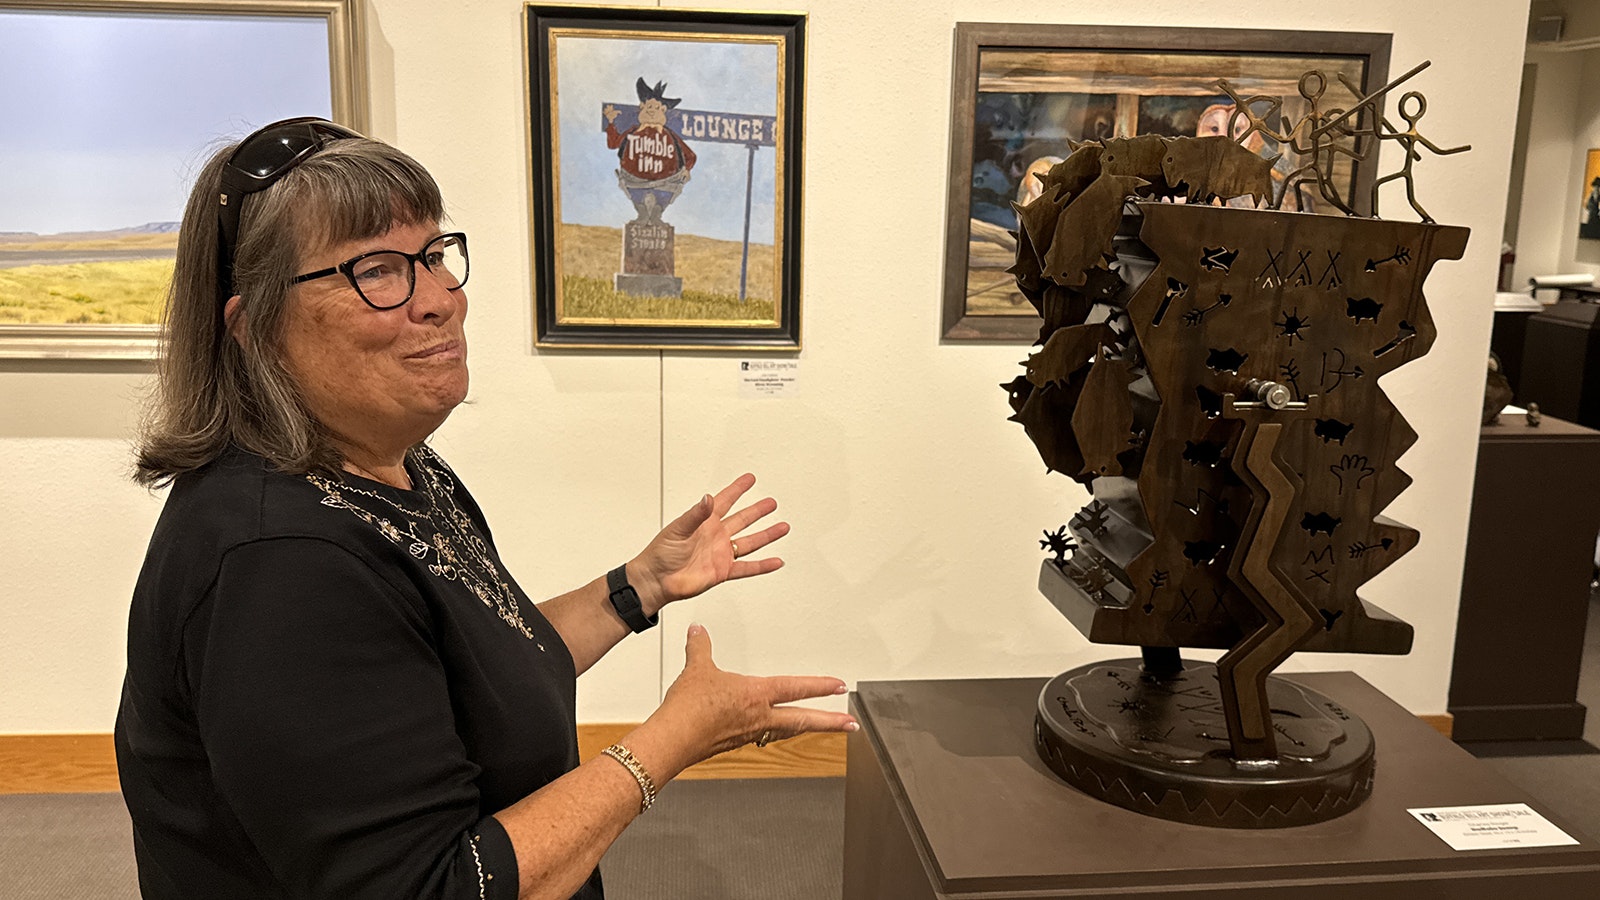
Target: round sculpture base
column 1158, row 745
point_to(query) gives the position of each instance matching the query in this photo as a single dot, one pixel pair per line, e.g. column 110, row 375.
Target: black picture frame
column 1121, row 66
column 597, row 274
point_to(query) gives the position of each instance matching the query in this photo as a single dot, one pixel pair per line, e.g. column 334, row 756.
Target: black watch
column 625, row 600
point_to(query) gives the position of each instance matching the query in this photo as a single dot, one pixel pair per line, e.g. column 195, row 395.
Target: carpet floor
column 776, row 839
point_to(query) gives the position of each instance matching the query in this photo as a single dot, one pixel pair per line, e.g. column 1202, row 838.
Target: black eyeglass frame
column 348, row 269
column 260, row 161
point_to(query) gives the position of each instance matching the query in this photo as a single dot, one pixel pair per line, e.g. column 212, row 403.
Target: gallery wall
column 916, row 507
column 1563, row 127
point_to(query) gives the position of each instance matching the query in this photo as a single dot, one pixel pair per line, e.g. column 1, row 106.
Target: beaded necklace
column 458, row 554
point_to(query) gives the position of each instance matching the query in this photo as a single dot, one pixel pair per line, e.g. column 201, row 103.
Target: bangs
column 355, row 190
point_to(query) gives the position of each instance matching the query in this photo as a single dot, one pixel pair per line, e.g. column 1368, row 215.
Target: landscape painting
column 119, row 113
column 668, row 185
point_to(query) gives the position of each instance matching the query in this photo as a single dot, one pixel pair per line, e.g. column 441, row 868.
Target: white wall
column 1565, row 125
column 916, row 506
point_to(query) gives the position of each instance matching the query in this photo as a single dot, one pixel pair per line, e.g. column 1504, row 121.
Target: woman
column 334, row 687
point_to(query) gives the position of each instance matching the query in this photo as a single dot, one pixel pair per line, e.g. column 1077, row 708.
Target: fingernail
column 852, row 726
column 706, row 499
column 697, row 628
column 841, row 688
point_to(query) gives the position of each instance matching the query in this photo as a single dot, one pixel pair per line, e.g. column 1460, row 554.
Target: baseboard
column 805, row 756
column 1444, row 723
column 57, row 764
column 86, row 763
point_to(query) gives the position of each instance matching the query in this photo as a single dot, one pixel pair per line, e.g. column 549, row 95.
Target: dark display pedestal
column 1560, row 367
column 945, row 799
column 1525, row 585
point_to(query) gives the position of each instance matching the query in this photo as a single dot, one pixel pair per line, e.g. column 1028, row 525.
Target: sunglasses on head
column 259, row 162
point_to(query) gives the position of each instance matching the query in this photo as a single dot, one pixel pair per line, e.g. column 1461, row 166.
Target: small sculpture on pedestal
column 1211, row 375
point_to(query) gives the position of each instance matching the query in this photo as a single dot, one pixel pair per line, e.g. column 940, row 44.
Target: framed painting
column 1024, row 94
column 124, row 103
column 664, row 148
column 1589, row 202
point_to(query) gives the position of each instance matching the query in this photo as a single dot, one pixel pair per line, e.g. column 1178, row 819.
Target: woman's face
column 381, row 380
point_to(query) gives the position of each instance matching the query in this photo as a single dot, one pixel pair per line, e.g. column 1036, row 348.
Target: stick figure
column 1325, row 143
column 1409, row 139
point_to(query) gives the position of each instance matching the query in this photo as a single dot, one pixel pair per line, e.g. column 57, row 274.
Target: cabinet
column 1525, row 584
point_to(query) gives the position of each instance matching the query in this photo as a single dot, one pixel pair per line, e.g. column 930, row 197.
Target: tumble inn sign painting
column 665, row 172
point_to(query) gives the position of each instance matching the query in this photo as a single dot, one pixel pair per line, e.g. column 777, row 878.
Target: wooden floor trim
column 57, row 764
column 1444, row 723
column 86, row 763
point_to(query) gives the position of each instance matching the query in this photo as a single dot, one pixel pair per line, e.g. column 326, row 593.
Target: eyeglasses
column 386, row 279
column 258, row 163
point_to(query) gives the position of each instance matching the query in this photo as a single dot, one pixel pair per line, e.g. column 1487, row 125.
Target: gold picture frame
column 70, row 254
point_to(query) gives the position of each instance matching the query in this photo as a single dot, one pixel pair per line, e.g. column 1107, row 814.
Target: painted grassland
column 105, row 292
column 709, row 268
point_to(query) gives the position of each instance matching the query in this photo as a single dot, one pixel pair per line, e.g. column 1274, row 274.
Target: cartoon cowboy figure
column 655, row 160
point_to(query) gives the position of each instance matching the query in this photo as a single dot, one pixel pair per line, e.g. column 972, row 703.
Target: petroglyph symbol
column 1318, row 556
column 1406, row 333
column 1301, row 273
column 1215, row 258
column 1314, row 523
column 1292, row 325
column 1202, row 453
column 1228, row 360
column 1363, row 308
column 1058, row 543
column 1330, row 275
column 1351, row 470
column 1202, row 495
column 1195, row 316
column 1186, row 613
column 1338, row 371
column 1402, row 256
column 1362, row 548
column 1092, row 518
column 1271, row 276
column 1291, row 374
column 1202, row 553
column 1175, row 289
column 1333, row 430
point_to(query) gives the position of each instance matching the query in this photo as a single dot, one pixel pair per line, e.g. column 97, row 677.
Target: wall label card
column 763, row 378
column 1492, row 827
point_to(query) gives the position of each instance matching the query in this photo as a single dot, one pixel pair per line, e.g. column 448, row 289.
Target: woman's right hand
column 707, row 711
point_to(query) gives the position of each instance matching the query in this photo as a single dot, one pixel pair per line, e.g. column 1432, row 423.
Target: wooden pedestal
column 946, row 800
column 1525, row 585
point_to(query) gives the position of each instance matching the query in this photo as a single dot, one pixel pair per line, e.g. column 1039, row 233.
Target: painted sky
column 712, row 77
column 107, row 117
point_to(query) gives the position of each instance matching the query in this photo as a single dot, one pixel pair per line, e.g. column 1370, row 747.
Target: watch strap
column 625, row 600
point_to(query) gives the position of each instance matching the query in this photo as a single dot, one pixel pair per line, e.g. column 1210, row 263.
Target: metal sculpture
column 1211, row 374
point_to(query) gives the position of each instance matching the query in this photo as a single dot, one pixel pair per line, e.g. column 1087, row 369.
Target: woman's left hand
column 705, row 547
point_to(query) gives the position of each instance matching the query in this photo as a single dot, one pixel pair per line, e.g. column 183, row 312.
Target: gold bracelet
column 647, row 785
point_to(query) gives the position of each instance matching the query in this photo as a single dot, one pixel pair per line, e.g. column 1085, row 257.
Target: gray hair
column 214, row 392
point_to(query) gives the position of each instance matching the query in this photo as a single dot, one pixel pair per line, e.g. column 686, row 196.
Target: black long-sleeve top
column 321, row 703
